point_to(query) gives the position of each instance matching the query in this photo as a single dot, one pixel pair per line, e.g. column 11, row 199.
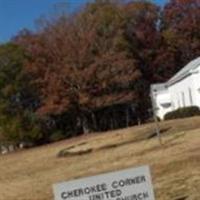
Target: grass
column 175, row 167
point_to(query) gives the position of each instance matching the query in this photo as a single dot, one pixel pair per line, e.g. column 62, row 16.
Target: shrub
column 183, row 112
column 56, row 136
column 19, row 128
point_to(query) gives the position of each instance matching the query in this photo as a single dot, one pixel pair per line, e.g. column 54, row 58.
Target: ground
column 175, row 165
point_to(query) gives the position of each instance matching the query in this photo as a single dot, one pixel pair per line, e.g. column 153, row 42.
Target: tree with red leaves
column 180, row 37
column 82, row 63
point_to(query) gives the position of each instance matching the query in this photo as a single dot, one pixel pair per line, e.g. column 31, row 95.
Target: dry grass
column 29, row 175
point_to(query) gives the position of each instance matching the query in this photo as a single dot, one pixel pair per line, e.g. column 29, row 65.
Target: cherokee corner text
column 101, row 191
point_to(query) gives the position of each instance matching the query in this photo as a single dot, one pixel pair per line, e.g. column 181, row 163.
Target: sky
column 18, row 14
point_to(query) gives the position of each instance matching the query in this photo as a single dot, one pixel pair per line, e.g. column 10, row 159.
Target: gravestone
column 4, row 149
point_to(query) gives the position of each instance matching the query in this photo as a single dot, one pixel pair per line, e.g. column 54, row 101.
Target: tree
column 141, row 29
column 180, row 36
column 81, row 63
column 16, row 96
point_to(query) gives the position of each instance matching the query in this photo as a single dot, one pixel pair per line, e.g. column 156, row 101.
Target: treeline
column 91, row 70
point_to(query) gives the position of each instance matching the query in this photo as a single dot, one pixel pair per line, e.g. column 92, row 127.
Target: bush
column 56, row 136
column 24, row 127
column 183, row 112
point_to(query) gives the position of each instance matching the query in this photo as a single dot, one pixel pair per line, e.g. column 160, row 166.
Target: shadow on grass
column 68, row 153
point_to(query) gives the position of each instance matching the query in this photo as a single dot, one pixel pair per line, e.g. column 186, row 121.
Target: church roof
column 185, row 71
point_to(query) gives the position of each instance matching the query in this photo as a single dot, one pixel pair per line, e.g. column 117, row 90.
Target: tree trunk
column 139, row 121
column 115, row 125
column 94, row 121
column 111, row 123
column 127, row 117
column 85, row 126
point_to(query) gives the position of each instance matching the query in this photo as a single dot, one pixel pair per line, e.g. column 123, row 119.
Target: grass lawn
column 175, row 166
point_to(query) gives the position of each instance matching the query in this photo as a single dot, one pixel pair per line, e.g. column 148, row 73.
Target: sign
column 129, row 184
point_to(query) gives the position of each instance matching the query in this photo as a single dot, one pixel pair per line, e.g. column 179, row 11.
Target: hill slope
column 175, row 166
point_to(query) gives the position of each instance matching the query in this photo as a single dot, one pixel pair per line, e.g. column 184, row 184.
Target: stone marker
column 11, row 148
column 129, row 184
column 4, row 149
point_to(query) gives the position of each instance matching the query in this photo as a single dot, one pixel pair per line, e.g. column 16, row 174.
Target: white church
column 182, row 90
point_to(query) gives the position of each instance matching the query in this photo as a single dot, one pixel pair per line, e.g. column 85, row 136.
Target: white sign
column 129, row 184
